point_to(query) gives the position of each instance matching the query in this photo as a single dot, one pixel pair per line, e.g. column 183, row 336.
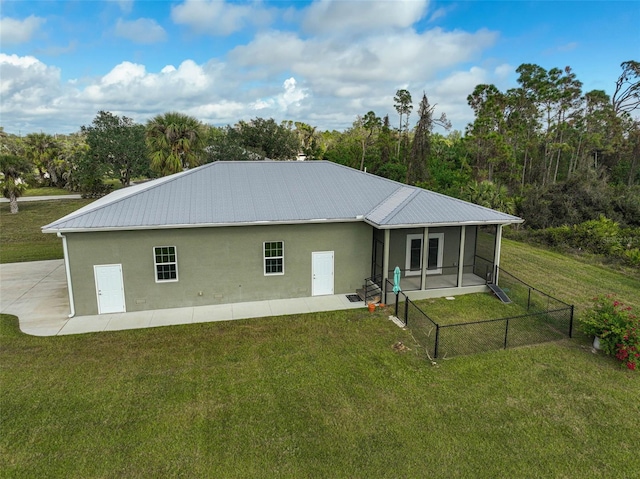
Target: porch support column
column 496, row 259
column 425, row 258
column 385, row 259
column 463, row 235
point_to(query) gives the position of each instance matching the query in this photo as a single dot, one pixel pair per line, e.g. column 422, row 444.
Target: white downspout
column 68, row 271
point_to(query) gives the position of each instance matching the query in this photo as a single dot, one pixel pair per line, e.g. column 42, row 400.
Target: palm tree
column 175, row 142
column 488, row 194
column 12, row 168
column 43, row 150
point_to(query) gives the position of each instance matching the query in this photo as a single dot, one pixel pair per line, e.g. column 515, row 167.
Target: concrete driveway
column 36, row 292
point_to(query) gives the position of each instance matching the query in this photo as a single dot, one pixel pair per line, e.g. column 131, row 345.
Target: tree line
column 544, row 150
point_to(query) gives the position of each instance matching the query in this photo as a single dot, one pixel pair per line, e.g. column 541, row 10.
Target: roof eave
column 284, row 222
column 447, row 223
column 201, row 225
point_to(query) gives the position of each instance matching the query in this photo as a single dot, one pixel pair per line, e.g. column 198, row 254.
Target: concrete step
column 370, row 293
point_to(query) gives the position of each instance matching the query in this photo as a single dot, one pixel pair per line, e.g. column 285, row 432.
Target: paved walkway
column 43, row 198
column 36, row 292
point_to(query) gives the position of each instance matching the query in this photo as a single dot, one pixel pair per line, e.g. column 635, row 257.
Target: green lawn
column 20, row 236
column 319, row 395
column 46, row 191
column 322, row 395
column 572, row 280
column 468, row 308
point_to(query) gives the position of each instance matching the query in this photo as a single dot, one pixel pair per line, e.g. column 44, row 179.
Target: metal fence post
column 384, row 293
column 571, row 322
column 406, row 311
column 506, row 333
column 396, row 312
column 454, row 342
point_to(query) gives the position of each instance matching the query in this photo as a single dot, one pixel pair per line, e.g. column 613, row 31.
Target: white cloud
column 129, row 85
column 352, row 17
column 14, row 31
column 142, row 30
column 30, row 93
column 25, row 79
column 341, row 67
column 288, row 100
column 460, row 84
column 124, row 74
column 503, row 71
column 292, row 94
column 218, row 17
column 324, row 80
column 441, row 12
column 125, row 5
column 450, row 93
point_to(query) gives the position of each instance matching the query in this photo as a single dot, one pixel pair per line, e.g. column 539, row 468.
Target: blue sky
column 321, row 62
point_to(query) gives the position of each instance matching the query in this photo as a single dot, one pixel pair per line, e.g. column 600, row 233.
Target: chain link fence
column 547, row 319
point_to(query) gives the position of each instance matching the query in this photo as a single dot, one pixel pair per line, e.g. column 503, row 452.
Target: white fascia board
column 202, row 225
column 443, row 224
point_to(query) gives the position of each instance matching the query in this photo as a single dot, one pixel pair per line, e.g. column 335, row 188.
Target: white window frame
column 265, row 258
column 440, row 237
column 410, row 238
column 156, row 264
column 407, row 263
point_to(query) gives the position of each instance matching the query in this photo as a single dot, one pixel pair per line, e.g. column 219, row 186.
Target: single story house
column 245, row 231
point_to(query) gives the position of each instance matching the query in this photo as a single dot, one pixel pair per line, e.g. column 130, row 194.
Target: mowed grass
column 46, row 191
column 468, row 308
column 569, row 279
column 21, row 238
column 320, row 395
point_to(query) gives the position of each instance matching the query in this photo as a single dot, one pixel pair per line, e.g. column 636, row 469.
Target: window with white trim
column 414, row 253
column 413, row 262
column 273, row 257
column 166, row 263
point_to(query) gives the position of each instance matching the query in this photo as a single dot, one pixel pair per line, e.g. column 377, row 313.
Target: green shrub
column 601, row 236
column 617, row 328
column 559, row 236
column 632, row 257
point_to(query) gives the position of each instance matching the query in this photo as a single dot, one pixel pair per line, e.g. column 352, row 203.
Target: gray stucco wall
column 225, row 264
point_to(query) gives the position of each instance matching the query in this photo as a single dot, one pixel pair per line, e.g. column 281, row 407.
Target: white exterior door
column 435, row 254
column 322, row 273
column 109, row 288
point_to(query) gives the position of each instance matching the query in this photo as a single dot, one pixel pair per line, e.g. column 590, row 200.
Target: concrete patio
column 36, row 292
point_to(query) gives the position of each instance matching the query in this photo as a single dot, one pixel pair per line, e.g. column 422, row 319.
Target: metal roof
column 259, row 192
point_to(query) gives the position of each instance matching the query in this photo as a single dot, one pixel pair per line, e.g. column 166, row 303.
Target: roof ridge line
column 399, row 197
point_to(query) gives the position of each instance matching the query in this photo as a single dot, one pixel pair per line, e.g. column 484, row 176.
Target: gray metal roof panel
column 236, row 192
column 441, row 209
column 389, row 206
column 225, row 193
